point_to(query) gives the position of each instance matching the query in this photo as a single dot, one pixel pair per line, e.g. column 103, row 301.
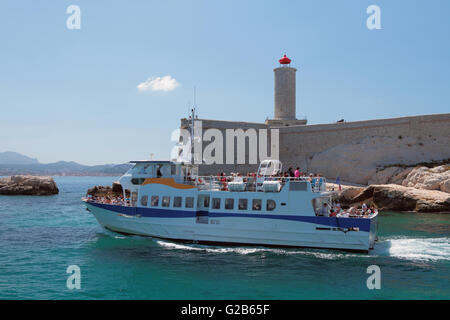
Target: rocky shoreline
column 106, row 191
column 28, row 185
column 392, row 197
column 419, row 189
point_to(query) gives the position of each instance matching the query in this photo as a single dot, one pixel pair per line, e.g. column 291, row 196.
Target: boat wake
column 212, row 249
column 320, row 253
column 422, row 249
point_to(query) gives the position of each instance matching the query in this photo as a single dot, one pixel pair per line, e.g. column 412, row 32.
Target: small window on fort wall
column 177, row 202
column 270, row 205
column 257, row 204
column 243, row 204
column 189, row 202
column 144, row 201
column 229, row 204
column 154, row 202
column 216, row 203
column 166, row 201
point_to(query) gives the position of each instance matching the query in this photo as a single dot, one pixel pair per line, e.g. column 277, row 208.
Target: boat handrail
column 252, row 183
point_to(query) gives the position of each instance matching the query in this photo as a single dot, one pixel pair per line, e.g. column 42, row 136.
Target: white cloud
column 166, row 83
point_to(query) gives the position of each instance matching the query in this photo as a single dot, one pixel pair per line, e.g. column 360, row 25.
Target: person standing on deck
column 324, row 210
column 291, row 172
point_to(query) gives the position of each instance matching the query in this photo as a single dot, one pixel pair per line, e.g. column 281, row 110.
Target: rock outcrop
column 398, row 198
column 390, row 175
column 347, row 194
column 437, row 178
column 28, row 185
column 106, row 191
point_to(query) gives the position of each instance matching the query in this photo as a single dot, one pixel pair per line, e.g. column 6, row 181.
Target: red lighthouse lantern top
column 285, row 60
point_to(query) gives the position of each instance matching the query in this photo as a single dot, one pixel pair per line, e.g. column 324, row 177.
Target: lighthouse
column 285, row 95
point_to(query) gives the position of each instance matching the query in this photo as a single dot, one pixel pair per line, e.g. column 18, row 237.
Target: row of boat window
column 256, row 204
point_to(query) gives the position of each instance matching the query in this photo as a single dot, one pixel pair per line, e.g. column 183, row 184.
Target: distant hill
column 12, row 163
column 10, row 157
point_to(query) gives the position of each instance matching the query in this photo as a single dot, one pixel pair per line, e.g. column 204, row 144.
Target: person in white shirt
column 324, row 210
column 364, row 207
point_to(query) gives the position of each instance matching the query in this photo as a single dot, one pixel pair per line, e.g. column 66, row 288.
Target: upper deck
column 268, row 178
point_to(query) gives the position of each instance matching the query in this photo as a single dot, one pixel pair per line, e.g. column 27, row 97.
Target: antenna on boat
column 193, row 116
column 189, row 108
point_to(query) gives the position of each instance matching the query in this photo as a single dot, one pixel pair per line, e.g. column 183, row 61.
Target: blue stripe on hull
column 361, row 223
column 146, row 212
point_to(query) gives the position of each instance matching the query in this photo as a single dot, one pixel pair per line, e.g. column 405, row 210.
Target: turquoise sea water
column 41, row 236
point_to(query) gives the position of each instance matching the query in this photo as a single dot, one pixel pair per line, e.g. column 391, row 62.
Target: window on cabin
column 189, row 202
column 144, row 201
column 173, row 170
column 177, row 202
column 158, row 171
column 216, row 203
column 270, row 206
column 166, row 201
column 206, row 202
column 155, row 201
column 137, row 181
column 134, row 198
column 257, row 204
column 243, row 204
column 229, row 204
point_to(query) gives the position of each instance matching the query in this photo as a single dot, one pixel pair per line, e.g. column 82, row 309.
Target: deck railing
column 251, row 183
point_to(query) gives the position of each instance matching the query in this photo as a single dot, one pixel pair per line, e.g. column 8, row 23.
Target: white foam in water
column 171, row 245
column 244, row 251
column 403, row 248
column 416, row 248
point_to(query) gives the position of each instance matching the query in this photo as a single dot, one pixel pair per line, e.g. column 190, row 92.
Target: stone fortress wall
column 354, row 151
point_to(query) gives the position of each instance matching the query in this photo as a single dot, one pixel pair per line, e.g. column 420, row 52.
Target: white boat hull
column 250, row 229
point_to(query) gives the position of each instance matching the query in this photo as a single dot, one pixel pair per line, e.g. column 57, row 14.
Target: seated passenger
column 364, row 207
column 337, row 204
column 332, row 213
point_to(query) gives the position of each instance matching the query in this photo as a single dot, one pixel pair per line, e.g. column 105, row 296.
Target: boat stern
column 373, row 230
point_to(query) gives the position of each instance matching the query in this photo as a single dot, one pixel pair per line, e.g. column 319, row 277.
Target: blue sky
column 72, row 94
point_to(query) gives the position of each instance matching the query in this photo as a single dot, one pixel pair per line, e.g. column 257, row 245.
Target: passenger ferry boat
column 169, row 200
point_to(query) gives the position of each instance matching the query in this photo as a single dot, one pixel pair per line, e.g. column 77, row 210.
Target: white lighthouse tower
column 284, row 95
